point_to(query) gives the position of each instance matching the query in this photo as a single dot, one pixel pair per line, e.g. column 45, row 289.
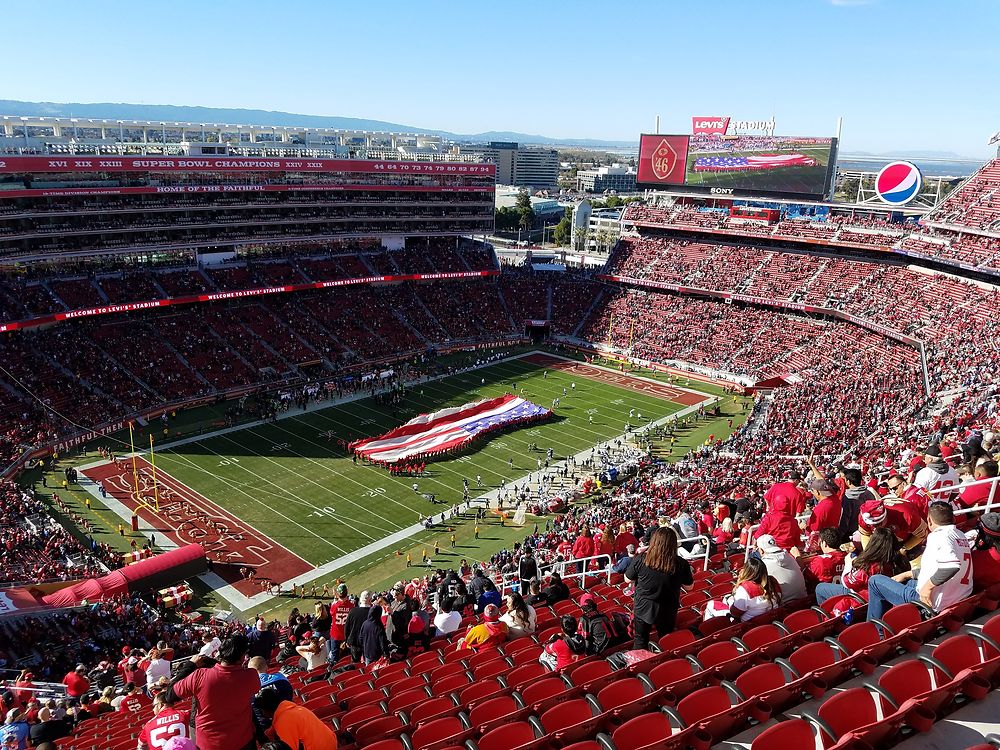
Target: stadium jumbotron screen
column 738, row 165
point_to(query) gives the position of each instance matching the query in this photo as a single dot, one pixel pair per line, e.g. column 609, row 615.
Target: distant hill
column 177, row 113
column 917, row 154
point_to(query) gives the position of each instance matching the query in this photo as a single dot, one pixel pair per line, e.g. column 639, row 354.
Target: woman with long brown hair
column 754, row 593
column 659, row 574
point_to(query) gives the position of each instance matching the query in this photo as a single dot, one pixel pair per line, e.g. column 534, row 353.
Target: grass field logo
column 898, row 183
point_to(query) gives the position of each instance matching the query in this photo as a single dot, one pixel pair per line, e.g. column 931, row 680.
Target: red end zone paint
column 187, row 517
column 656, row 390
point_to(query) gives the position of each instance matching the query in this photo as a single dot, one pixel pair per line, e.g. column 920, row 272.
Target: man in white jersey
column 936, row 474
column 167, row 722
column 945, row 574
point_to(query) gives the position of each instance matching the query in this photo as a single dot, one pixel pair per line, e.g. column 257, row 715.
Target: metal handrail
column 991, row 503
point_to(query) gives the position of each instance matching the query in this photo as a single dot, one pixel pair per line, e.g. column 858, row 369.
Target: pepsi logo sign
column 898, row 183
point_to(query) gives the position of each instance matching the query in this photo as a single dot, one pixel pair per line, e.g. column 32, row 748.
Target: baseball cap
column 873, row 513
column 416, row 624
column 587, row 599
column 990, row 523
column 400, row 586
column 81, row 668
column 491, row 613
column 342, row 589
column 13, row 714
column 933, row 450
column 823, row 485
column 766, row 543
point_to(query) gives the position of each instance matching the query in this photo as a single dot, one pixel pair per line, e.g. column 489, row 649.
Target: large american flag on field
column 448, row 429
column 762, row 161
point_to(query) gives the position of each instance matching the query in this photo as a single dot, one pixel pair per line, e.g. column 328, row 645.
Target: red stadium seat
column 794, row 734
column 679, row 676
column 769, row 640
column 725, row 659
column 625, row 698
column 435, row 733
column 507, row 737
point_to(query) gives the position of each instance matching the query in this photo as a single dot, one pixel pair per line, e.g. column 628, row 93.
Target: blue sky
column 904, row 74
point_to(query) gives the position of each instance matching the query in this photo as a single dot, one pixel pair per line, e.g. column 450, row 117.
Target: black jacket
column 352, row 628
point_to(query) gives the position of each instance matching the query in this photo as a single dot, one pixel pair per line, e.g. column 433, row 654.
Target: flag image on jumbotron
column 441, row 433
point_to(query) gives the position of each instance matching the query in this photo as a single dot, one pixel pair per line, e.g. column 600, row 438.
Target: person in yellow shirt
column 294, row 724
column 490, row 633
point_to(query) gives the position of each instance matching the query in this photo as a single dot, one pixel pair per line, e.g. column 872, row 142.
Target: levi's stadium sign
column 720, row 125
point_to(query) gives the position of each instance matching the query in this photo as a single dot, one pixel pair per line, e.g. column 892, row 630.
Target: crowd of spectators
column 975, row 205
column 955, row 231
column 36, row 548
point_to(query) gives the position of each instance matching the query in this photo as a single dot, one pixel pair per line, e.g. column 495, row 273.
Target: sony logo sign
column 722, row 191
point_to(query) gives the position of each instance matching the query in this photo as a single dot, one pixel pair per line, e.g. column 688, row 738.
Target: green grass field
column 290, row 481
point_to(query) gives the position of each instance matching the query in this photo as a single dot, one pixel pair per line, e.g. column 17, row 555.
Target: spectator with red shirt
column 902, row 519
column 826, row 512
column 23, row 687
column 584, row 545
column 910, row 493
column 979, row 494
column 76, row 682
column 167, row 722
column 986, row 553
column 788, row 494
column 562, row 649
column 624, row 538
column 135, row 699
column 223, row 694
column 340, row 608
column 828, row 564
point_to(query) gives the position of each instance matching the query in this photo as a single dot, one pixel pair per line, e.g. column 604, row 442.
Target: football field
column 285, row 499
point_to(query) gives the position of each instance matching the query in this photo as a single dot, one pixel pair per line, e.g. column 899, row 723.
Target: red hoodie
column 783, row 503
column 583, row 547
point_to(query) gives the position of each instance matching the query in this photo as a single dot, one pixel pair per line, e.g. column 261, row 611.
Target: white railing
column 506, row 579
column 992, row 502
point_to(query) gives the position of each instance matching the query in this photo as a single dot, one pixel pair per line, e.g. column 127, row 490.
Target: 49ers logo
column 664, row 160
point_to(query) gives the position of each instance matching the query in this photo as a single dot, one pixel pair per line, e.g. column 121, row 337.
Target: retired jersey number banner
column 662, row 159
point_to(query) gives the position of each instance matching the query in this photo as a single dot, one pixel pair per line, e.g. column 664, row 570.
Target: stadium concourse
column 882, row 397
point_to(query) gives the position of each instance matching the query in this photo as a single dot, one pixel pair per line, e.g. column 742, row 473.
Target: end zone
column 621, row 380
column 187, row 517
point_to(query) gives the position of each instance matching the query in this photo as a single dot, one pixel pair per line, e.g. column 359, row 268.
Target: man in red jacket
column 223, row 693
